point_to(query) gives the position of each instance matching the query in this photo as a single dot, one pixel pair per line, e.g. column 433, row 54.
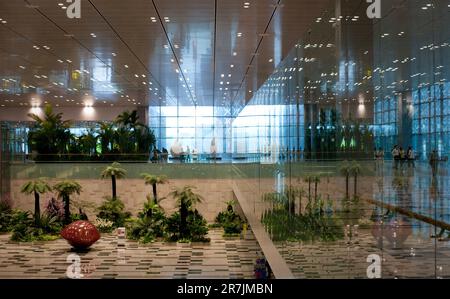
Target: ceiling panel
column 160, row 52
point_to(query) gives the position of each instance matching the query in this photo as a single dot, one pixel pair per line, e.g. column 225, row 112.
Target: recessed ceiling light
column 126, row 66
column 232, row 65
column 114, row 54
column 234, row 53
column 270, row 60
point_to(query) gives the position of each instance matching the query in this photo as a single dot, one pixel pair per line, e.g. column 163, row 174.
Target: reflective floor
column 113, row 258
column 404, row 223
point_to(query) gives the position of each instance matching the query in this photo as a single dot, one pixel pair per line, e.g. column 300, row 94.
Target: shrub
column 150, row 224
column 6, row 215
column 231, row 222
column 25, row 229
column 112, row 209
column 196, row 227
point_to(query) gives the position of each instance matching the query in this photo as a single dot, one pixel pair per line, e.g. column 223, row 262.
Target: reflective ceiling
column 142, row 52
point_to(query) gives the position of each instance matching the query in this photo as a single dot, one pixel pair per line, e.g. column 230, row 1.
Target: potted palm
column 154, row 180
column 36, row 187
column 65, row 189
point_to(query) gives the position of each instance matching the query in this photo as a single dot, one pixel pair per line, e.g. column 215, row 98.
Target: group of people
column 400, row 156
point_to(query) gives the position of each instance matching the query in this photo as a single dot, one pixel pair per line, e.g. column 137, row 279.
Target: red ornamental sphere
column 80, row 234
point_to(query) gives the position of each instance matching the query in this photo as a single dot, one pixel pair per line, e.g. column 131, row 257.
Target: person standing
column 411, row 156
column 396, row 156
column 402, row 157
column 434, row 159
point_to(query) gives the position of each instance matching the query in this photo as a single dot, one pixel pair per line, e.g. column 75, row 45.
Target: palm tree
column 154, row 180
column 106, row 136
column 316, row 181
column 345, row 171
column 114, row 172
column 36, row 187
column 355, row 169
column 128, row 119
column 186, row 198
column 49, row 135
column 309, row 179
column 65, row 189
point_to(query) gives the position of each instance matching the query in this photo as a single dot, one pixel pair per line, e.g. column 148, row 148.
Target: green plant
column 154, row 180
column 114, row 172
column 50, row 135
column 310, row 226
column 187, row 223
column 150, row 224
column 112, row 209
column 195, row 231
column 104, row 226
column 25, row 229
column 65, row 189
column 6, row 214
column 36, row 187
column 231, row 222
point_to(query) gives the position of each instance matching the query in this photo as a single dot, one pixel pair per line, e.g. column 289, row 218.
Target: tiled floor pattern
column 418, row 256
column 113, row 258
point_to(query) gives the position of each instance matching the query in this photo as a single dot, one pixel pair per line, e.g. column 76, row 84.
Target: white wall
column 69, row 113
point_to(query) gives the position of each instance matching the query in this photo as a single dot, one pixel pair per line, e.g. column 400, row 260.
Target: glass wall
column 352, row 84
column 194, row 127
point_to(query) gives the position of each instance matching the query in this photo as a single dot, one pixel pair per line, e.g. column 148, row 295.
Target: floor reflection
column 405, row 222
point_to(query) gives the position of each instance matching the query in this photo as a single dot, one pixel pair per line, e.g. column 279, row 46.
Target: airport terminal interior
column 225, row 139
